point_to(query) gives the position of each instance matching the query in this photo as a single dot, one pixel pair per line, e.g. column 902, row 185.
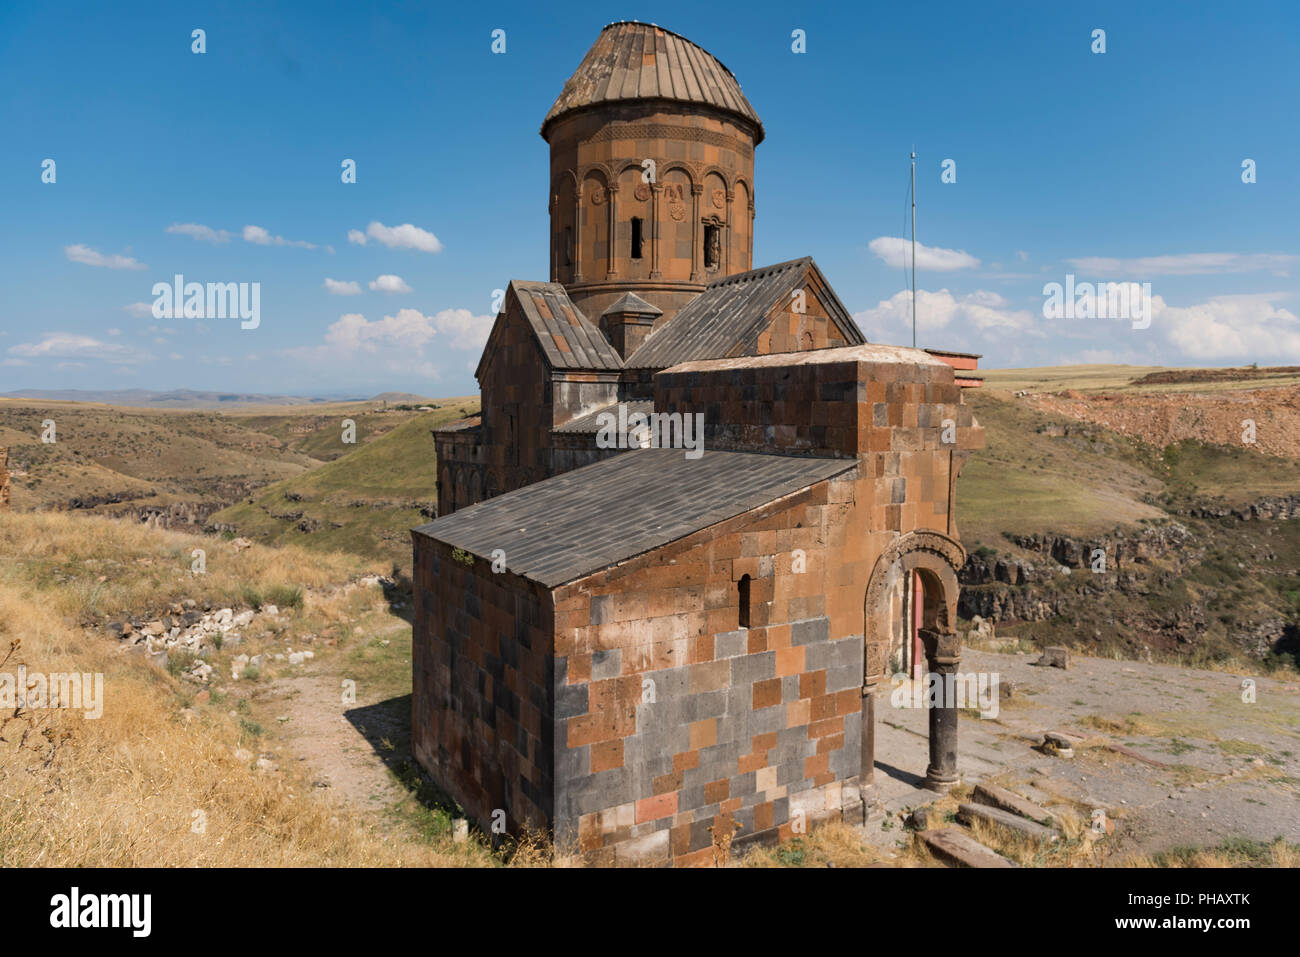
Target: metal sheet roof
column 641, row 61
column 568, row 338
column 564, row 528
column 733, row 311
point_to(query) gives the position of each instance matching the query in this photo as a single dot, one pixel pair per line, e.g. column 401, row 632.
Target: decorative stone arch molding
column 939, row 558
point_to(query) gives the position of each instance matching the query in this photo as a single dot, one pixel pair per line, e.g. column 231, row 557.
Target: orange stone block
column 653, row 808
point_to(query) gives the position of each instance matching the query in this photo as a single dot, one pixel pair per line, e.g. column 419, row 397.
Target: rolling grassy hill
column 364, row 502
column 116, row 460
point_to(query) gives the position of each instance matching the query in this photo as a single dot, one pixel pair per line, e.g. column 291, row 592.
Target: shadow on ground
column 386, row 727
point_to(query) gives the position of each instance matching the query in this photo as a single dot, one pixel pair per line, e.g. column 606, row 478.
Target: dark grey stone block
column 810, row 630
column 750, row 668
column 570, row 701
column 607, row 664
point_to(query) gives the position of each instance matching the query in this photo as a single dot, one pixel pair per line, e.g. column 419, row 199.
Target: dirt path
column 346, row 748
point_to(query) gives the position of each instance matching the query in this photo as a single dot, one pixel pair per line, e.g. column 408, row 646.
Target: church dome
column 641, row 61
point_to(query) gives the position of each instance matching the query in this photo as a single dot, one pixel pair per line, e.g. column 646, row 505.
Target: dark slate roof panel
column 731, row 311
column 566, row 336
column 640, row 61
column 564, row 528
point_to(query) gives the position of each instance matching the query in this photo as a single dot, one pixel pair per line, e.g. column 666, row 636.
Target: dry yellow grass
column 95, row 568
column 832, row 844
column 124, row 789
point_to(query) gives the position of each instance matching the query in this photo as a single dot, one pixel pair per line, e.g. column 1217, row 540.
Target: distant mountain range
column 191, row 399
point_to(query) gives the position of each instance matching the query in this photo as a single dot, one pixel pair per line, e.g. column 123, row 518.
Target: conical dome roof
column 640, row 61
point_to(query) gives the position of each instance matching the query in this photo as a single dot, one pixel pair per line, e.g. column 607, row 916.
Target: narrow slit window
column 568, row 245
column 742, row 588
column 638, row 237
column 712, row 246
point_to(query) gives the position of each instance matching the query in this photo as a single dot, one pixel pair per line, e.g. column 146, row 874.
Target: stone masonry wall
column 755, row 725
column 482, row 708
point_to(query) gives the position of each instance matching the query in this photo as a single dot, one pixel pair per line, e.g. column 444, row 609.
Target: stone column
column 942, row 656
column 656, row 201
column 749, row 240
column 611, row 196
column 697, row 251
column 577, row 234
column 727, row 240
column 867, row 776
column 873, row 668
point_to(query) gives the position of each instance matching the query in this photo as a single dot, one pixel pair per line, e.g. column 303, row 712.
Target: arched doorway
column 930, row 559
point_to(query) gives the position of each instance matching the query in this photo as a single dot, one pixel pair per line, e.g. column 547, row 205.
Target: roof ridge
column 631, row 60
column 671, row 33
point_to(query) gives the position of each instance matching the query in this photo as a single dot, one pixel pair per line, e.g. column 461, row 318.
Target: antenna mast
column 913, row 247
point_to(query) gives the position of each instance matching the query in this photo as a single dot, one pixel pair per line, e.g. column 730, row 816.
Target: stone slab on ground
column 969, row 813
column 954, row 846
column 1011, row 802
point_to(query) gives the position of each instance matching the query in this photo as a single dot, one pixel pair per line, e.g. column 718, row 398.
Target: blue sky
column 1117, row 166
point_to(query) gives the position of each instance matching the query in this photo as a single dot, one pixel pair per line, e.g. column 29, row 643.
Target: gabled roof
column 734, row 310
column 564, row 528
column 631, row 302
column 641, row 61
column 568, row 339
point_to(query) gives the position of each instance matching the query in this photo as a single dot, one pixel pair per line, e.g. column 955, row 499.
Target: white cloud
column 408, row 330
column 140, row 310
column 389, row 283
column 92, row 257
column 262, row 237
column 203, row 233
column 897, row 252
column 339, row 287
column 398, row 343
column 405, row 236
column 67, row 345
column 1230, row 327
column 985, row 311
column 467, row 331
column 1188, row 264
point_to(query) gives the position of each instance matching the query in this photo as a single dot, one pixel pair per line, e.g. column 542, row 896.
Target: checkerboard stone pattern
column 630, row 710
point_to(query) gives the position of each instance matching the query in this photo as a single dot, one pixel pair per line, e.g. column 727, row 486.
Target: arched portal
column 934, row 558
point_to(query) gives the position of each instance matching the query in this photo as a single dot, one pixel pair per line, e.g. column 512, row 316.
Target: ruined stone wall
column 481, row 707
column 4, row 479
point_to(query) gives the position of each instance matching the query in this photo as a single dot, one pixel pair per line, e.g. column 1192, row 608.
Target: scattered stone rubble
column 201, row 633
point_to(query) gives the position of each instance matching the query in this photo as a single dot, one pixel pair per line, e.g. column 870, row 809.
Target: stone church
column 641, row 648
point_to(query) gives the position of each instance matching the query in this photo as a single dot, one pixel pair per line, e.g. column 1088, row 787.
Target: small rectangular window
column 637, row 238
column 743, row 589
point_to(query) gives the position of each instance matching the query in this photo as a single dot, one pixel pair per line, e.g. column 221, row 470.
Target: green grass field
column 364, row 502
